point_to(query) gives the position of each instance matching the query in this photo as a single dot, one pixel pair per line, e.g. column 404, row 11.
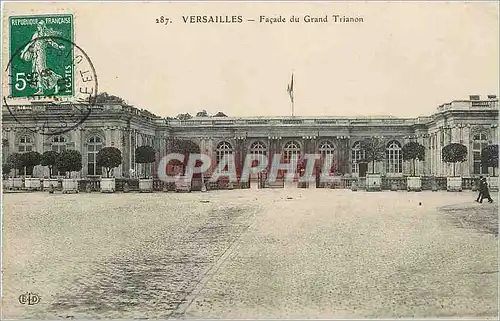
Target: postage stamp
column 46, row 65
column 40, row 64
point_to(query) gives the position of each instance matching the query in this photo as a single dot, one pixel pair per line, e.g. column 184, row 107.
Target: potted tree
column 145, row 155
column 109, row 158
column 374, row 151
column 489, row 158
column 17, row 162
column 67, row 162
column 413, row 151
column 454, row 153
column 49, row 159
column 6, row 168
column 30, row 160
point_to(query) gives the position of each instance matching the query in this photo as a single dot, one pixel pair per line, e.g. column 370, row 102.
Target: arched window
column 59, row 144
column 479, row 142
column 94, row 145
column 291, row 150
column 258, row 147
column 394, row 158
column 223, row 148
column 357, row 154
column 326, row 148
column 25, row 144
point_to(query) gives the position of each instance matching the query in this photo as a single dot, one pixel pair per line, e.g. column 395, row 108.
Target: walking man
column 480, row 188
column 485, row 192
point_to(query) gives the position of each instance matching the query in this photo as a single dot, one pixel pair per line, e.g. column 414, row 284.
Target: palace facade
column 472, row 122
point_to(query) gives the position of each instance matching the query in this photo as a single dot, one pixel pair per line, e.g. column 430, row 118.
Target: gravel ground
column 276, row 253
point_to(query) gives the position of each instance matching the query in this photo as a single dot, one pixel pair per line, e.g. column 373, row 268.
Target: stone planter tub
column 69, row 185
column 17, row 183
column 32, row 184
column 414, row 184
column 146, row 185
column 454, row 184
column 373, row 182
column 108, row 185
column 48, row 182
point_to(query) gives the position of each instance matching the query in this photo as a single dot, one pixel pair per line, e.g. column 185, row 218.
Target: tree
column 413, row 151
column 145, row 155
column 109, row 158
column 6, row 168
column 30, row 160
column 49, row 159
column 69, row 161
column 489, row 157
column 374, row 150
column 202, row 113
column 185, row 116
column 220, row 114
column 16, row 161
column 104, row 97
column 454, row 153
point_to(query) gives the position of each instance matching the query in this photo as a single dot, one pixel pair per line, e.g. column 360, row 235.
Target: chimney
column 474, row 97
column 492, row 96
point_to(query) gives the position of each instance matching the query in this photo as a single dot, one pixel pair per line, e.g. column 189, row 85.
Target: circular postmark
column 52, row 85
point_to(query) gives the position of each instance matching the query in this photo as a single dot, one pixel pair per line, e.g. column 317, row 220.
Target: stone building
column 472, row 122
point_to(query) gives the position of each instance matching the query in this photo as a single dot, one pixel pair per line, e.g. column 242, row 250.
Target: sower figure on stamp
column 485, row 192
column 36, row 52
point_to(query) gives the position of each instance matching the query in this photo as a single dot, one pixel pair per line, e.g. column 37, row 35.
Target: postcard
column 250, row 160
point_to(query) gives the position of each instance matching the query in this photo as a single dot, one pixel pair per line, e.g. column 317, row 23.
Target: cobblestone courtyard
column 291, row 253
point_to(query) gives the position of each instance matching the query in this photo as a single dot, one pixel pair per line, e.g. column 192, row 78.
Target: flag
column 290, row 89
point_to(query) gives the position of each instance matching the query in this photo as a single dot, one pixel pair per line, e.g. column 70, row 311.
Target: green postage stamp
column 41, row 56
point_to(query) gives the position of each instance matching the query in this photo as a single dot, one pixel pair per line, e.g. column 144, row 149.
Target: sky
column 404, row 60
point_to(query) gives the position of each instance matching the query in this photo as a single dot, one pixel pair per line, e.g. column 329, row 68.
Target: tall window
column 291, row 150
column 479, row 142
column 59, row 144
column 25, row 144
column 326, row 148
column 258, row 147
column 394, row 158
column 357, row 154
column 224, row 148
column 94, row 145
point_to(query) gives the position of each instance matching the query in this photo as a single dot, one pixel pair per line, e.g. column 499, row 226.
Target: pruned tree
column 16, row 161
column 413, row 151
column 69, row 161
column 145, row 155
column 454, row 153
column 6, row 168
column 374, row 150
column 185, row 116
column 49, row 159
column 202, row 113
column 220, row 114
column 104, row 97
column 489, row 157
column 109, row 158
column 30, row 160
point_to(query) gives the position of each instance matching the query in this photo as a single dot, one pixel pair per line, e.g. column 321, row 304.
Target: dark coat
column 483, row 187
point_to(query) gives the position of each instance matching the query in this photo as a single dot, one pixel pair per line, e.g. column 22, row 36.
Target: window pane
column 90, row 167
column 29, row 148
column 476, row 167
column 90, row 148
column 477, row 155
column 91, row 157
column 476, row 146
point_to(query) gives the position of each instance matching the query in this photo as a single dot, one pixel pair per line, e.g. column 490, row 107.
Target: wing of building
column 472, row 122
